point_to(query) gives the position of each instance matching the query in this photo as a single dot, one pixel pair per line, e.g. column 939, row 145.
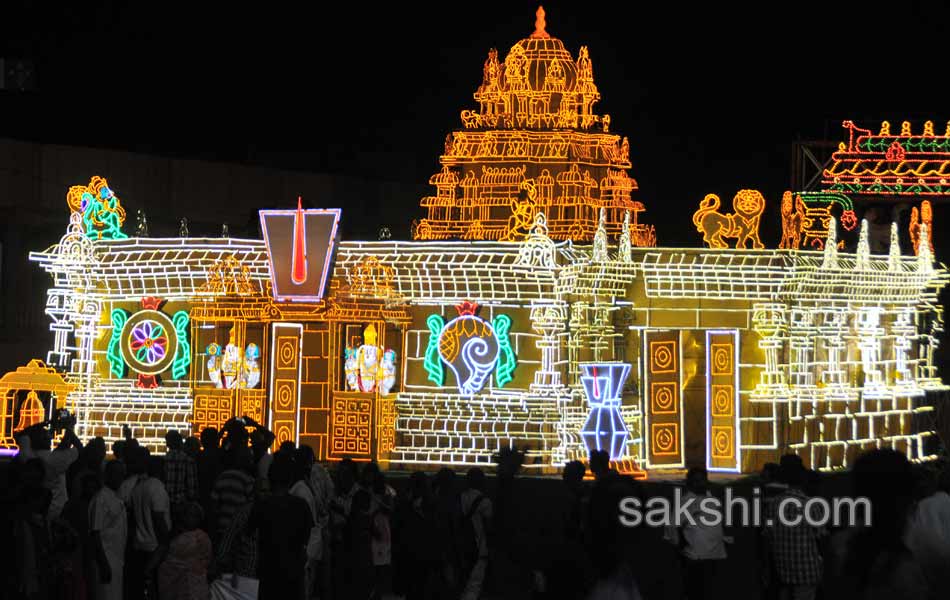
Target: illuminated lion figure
column 742, row 224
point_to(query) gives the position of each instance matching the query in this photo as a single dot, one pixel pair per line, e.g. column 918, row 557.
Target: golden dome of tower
column 534, row 145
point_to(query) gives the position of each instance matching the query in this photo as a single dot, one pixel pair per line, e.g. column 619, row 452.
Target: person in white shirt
column 477, row 507
column 56, row 461
column 702, row 544
column 152, row 523
column 108, row 533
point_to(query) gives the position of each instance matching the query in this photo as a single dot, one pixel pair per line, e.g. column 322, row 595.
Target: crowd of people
column 224, row 517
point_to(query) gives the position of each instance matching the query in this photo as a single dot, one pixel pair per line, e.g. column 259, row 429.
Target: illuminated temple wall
column 737, row 355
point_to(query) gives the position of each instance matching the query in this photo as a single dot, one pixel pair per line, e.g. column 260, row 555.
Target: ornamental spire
column 540, row 24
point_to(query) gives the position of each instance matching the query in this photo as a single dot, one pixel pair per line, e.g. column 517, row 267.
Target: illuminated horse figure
column 101, row 210
column 743, row 224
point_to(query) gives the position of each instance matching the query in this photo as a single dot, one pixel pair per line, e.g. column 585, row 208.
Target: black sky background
column 712, row 96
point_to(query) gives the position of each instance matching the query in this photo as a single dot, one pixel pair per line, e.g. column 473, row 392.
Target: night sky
column 711, row 97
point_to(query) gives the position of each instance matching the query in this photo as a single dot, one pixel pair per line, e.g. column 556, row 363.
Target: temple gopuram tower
column 534, row 145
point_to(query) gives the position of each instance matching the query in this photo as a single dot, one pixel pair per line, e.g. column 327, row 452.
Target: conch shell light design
column 471, row 347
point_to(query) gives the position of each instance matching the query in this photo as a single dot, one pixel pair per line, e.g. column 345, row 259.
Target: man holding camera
column 56, row 461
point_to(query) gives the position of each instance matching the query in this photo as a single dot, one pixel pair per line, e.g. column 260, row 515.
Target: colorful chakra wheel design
column 149, row 342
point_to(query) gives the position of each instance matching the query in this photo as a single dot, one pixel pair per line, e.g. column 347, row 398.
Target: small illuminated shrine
column 530, row 309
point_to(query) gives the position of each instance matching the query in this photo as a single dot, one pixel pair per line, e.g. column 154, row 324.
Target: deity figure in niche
column 250, row 370
column 350, row 367
column 364, row 365
column 388, row 371
column 231, row 363
column 214, row 364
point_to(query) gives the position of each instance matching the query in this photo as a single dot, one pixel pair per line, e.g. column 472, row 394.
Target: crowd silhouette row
column 223, row 517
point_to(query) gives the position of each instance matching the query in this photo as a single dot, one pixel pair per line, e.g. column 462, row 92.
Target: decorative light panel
column 889, row 164
column 605, row 428
column 149, row 342
column 471, row 347
column 299, row 250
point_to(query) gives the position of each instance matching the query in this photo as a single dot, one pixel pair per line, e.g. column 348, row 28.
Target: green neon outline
column 183, row 352
column 112, row 229
column 433, row 362
column 507, row 362
column 829, row 197
column 117, row 365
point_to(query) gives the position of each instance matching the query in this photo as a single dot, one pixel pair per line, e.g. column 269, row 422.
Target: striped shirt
column 237, row 552
column 232, row 490
column 181, row 477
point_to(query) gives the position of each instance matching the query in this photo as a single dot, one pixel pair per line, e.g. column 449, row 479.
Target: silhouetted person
column 108, row 525
column 76, row 514
column 33, row 546
column 793, row 548
column 151, row 513
column 358, row 552
column 232, row 489
column 568, row 574
column 303, row 461
column 416, row 556
column 617, row 554
column 515, row 556
column 928, row 531
column 447, row 515
column 702, row 546
column 90, row 460
column 477, row 515
column 577, row 500
column 346, row 487
column 209, row 466
column 118, row 450
column 261, row 441
column 183, row 575
column 57, row 461
column 282, row 523
column 382, row 505
column 181, row 472
column 873, row 562
column 599, row 463
column 192, row 448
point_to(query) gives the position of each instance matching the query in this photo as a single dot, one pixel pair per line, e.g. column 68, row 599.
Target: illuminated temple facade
column 441, row 351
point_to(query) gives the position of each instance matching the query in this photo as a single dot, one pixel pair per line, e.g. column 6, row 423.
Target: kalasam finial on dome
column 540, row 24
